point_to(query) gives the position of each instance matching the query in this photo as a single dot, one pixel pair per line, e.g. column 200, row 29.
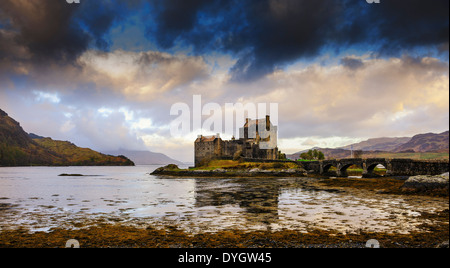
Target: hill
column 17, row 148
column 77, row 156
column 422, row 146
column 378, row 144
column 146, row 157
column 429, row 142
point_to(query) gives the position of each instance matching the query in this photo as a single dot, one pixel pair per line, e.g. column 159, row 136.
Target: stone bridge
column 394, row 167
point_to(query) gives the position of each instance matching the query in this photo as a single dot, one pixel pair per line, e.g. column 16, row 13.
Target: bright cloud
column 46, row 96
column 142, row 76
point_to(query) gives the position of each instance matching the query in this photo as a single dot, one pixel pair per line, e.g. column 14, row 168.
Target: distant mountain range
column 429, row 142
column 422, row 143
column 18, row 148
column 378, row 144
column 146, row 157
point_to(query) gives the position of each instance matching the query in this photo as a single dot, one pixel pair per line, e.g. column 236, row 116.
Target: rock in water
column 427, row 184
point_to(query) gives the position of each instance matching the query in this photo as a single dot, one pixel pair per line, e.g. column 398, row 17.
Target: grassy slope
column 81, row 156
column 18, row 149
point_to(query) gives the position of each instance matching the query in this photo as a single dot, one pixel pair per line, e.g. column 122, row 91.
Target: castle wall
column 269, row 154
column 207, row 150
column 218, row 149
column 230, row 148
column 256, row 142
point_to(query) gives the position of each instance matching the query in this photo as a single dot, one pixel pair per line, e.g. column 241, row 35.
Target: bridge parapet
column 312, row 166
column 409, row 167
column 394, row 167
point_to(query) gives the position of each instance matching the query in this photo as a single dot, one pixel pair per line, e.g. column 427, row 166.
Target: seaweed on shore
column 119, row 236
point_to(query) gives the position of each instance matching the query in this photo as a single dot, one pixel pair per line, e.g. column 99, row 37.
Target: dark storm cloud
column 99, row 16
column 262, row 35
column 53, row 31
column 267, row 34
column 282, row 31
column 175, row 17
column 408, row 24
column 45, row 30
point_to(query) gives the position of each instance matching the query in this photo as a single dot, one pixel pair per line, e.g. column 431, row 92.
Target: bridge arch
column 372, row 164
column 345, row 164
column 371, row 168
column 327, row 167
column 344, row 168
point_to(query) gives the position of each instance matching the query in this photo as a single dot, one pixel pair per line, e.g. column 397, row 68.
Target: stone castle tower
column 257, row 140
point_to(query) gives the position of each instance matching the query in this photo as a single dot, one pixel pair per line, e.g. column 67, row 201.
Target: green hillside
column 81, row 156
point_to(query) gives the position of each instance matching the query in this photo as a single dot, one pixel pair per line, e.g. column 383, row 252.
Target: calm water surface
column 38, row 199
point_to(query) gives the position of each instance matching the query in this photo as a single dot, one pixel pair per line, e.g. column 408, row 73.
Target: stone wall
column 219, row 149
column 230, row 148
column 207, row 150
column 394, row 167
column 408, row 167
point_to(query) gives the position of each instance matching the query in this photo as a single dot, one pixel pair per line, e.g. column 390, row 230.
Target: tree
column 281, row 156
column 305, row 156
column 313, row 155
column 321, row 156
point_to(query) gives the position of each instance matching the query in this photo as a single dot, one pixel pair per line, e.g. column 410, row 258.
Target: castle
column 257, row 140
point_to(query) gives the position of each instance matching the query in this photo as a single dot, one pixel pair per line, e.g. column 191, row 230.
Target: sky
column 104, row 74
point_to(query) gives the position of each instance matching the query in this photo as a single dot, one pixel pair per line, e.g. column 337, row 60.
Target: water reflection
column 258, row 199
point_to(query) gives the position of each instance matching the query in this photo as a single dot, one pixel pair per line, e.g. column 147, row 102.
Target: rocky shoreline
column 173, row 170
column 424, row 184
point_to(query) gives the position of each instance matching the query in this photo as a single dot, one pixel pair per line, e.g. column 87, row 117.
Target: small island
column 254, row 154
column 235, row 168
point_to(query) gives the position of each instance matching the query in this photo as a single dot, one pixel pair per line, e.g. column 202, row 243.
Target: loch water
column 38, row 199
